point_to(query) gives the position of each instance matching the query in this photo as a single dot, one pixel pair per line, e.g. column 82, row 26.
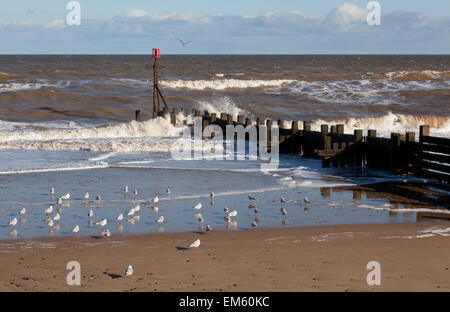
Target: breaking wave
column 222, row 84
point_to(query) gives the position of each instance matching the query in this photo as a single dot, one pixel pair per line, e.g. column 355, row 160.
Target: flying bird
column 184, row 43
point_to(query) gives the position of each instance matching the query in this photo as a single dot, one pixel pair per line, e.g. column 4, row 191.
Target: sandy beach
column 413, row 257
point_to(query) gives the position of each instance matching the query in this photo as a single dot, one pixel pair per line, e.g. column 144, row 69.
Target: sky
column 225, row 27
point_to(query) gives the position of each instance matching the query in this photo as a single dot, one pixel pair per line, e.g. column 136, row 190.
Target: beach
column 412, row 256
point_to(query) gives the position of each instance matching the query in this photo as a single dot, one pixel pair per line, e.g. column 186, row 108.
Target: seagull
column 65, row 197
column 57, row 217
column 76, row 229
column 90, row 213
column 200, row 219
column 60, row 201
column 251, row 197
column 119, row 217
column 155, row 208
column 226, row 210
column 283, row 211
column 156, row 199
column 52, row 190
column 98, row 197
column 50, row 223
column 209, row 228
column 131, row 212
column 198, row 206
column 184, row 43
column 22, row 211
column 168, row 190
column 283, row 200
column 49, row 210
column 233, row 213
column 137, row 208
column 129, row 270
column 212, row 195
column 86, row 196
column 106, row 233
column 306, row 199
column 125, row 189
column 160, row 219
column 135, row 192
column 195, row 244
column 102, row 222
column 227, row 219
column 13, row 222
column 257, row 210
column 254, row 224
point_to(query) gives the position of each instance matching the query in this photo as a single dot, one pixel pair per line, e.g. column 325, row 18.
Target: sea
column 66, row 121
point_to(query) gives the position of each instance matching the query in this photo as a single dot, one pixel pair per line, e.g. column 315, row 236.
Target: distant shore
column 413, row 257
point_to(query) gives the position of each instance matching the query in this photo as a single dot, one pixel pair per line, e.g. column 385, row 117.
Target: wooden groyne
column 427, row 157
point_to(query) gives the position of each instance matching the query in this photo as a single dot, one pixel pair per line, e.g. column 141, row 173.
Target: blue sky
column 222, row 27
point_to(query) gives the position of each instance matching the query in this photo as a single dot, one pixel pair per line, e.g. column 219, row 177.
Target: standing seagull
column 57, row 217
column 284, row 211
column 125, row 189
column 251, row 197
column 90, row 213
column 160, row 219
column 306, row 199
column 129, row 270
column 76, row 229
column 52, row 191
column 209, row 228
column 198, row 206
column 156, row 199
column 168, row 191
column 49, row 210
column 119, row 217
column 184, row 43
column 66, row 197
column 102, row 223
column 13, row 222
column 233, row 213
column 86, row 196
column 212, row 195
column 22, row 211
column 283, row 200
column 195, row 244
column 135, row 192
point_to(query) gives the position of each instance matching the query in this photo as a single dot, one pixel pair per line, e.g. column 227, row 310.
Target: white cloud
column 136, row 13
column 56, row 24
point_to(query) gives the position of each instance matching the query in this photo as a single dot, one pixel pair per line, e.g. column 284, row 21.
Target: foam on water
column 223, row 84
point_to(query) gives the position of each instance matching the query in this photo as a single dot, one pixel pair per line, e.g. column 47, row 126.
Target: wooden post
column 229, row 119
column 223, row 116
column 324, row 129
column 213, row 118
column 307, row 125
column 204, row 125
column 166, row 110
column 339, row 129
column 295, row 127
column 175, row 111
column 137, row 115
column 333, row 129
column 197, row 113
column 424, row 131
column 395, row 161
column 372, row 133
column 356, row 158
column 248, row 121
column 240, row 119
column 206, row 113
column 327, row 142
column 173, row 119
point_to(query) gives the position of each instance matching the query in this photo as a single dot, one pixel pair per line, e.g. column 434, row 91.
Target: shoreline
column 413, row 257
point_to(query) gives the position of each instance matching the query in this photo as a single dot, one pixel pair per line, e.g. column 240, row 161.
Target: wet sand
column 413, row 257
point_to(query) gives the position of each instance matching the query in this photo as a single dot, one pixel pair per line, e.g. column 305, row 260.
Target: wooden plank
column 436, row 140
column 435, row 166
column 436, row 175
column 435, row 148
column 435, row 157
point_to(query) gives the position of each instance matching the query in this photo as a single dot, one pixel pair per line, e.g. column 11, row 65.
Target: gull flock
column 229, row 216
column 53, row 216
